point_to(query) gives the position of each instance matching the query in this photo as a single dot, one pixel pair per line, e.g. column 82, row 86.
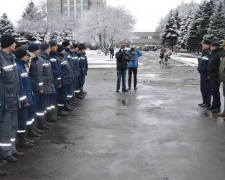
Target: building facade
column 97, row 2
column 144, row 38
column 70, row 8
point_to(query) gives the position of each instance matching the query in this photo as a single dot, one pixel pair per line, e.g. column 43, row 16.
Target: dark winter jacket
column 74, row 62
column 134, row 59
column 2, row 93
column 45, row 75
column 111, row 50
column 82, row 65
column 121, row 61
column 25, row 83
column 203, row 62
column 10, row 81
column 214, row 63
column 56, row 68
column 222, row 68
column 66, row 74
column 85, row 64
column 33, row 74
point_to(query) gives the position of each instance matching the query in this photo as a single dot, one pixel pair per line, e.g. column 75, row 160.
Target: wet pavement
column 154, row 133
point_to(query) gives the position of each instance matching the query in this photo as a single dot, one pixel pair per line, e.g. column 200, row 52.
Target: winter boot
column 83, row 92
column 67, row 107
column 50, row 118
column 41, row 124
column 31, row 132
column 21, row 141
column 78, row 96
column 61, row 112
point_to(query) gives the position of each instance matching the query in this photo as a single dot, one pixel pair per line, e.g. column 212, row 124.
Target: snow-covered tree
column 216, row 30
column 206, row 10
column 170, row 36
column 6, row 27
column 33, row 24
column 105, row 26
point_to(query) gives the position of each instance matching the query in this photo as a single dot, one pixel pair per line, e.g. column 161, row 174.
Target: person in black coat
column 121, row 59
column 111, row 50
column 213, row 72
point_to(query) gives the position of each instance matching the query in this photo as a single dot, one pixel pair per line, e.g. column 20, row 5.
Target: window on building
column 149, row 37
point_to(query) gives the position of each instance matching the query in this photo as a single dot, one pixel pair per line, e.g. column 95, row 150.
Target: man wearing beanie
column 46, row 85
column 85, row 66
column 66, row 81
column 26, row 99
column 34, row 50
column 66, row 45
column 9, row 126
column 56, row 69
column 203, row 62
column 213, row 73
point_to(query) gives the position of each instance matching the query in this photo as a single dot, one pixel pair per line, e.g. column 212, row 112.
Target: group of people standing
column 127, row 59
column 211, row 66
column 39, row 83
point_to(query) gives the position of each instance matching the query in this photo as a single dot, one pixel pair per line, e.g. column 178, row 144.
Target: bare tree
column 105, row 26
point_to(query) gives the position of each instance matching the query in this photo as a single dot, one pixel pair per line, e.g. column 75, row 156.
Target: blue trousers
column 22, row 118
column 63, row 95
column 8, row 132
column 43, row 105
column 205, row 88
column 121, row 74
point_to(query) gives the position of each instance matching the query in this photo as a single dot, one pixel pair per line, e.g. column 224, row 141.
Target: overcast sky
column 146, row 12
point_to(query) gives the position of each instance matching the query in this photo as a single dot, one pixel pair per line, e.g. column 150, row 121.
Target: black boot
column 78, row 96
column 83, row 92
column 50, row 118
column 67, row 107
column 41, row 124
column 31, row 132
column 61, row 112
column 29, row 140
column 22, row 141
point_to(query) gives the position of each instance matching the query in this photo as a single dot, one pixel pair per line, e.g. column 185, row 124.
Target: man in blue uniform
column 56, row 69
column 2, row 102
column 9, row 127
column 203, row 62
column 66, row 81
column 26, row 98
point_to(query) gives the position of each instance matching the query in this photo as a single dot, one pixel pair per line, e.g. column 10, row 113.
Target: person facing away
column 133, row 66
column 203, row 62
column 213, row 72
column 111, row 50
column 121, row 61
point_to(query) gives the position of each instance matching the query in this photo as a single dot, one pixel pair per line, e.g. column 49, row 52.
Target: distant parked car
column 139, row 48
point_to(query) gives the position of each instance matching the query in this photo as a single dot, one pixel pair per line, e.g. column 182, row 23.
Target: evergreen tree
column 206, row 11
column 185, row 23
column 6, row 27
column 216, row 30
column 170, row 35
column 192, row 38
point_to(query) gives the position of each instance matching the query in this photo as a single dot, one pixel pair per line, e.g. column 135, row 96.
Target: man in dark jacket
column 34, row 50
column 46, row 82
column 66, row 81
column 9, row 127
column 213, row 72
column 56, row 68
column 121, row 59
column 2, row 103
column 111, row 50
column 26, row 98
column 203, row 62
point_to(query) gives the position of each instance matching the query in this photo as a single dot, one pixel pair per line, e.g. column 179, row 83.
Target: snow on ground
column 189, row 61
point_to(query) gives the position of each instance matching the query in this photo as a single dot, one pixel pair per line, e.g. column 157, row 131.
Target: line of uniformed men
column 35, row 92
